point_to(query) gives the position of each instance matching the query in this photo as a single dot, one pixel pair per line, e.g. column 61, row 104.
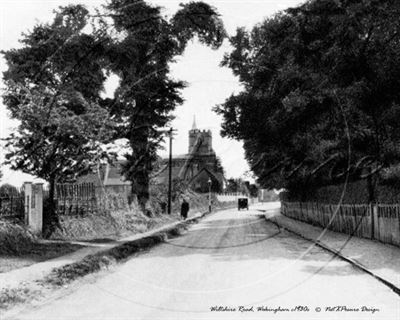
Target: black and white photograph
column 199, row 160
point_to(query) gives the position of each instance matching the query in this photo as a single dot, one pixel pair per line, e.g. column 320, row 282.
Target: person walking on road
column 184, row 209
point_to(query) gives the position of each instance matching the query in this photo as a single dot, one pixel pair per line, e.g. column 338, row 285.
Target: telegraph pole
column 170, row 171
column 170, row 132
column 209, row 194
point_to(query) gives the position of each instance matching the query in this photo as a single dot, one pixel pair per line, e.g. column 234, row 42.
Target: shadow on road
column 248, row 236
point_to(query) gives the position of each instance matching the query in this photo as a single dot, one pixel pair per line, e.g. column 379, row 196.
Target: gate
column 12, row 204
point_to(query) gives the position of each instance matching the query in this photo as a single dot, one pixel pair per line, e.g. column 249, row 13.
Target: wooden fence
column 379, row 221
column 75, row 199
column 85, row 198
column 387, row 224
column 229, row 196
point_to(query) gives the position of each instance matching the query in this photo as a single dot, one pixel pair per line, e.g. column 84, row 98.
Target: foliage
column 160, row 191
column 53, row 84
column 218, row 166
column 140, row 55
column 234, row 185
column 239, row 185
column 253, row 190
column 14, row 239
column 321, row 94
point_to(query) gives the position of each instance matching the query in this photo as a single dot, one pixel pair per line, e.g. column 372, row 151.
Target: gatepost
column 27, row 201
column 34, row 206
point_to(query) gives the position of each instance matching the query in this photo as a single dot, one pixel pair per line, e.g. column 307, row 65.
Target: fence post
column 373, row 209
column 376, row 221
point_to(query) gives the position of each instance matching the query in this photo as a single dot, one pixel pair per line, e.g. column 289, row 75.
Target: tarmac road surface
column 226, row 267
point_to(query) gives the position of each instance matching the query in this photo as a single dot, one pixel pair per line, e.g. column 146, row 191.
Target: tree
column 235, row 185
column 321, row 94
column 231, row 185
column 140, row 54
column 52, row 87
column 218, row 168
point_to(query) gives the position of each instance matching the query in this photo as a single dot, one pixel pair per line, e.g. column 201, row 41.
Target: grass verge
column 20, row 248
column 14, row 238
column 93, row 263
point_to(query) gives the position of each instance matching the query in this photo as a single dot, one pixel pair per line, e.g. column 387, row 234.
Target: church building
column 198, row 167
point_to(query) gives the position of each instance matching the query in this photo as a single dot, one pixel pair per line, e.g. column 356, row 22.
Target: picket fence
column 373, row 221
column 79, row 199
column 230, row 196
column 74, row 199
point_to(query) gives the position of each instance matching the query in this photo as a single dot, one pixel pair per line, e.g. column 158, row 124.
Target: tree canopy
column 321, row 98
column 140, row 55
column 54, row 84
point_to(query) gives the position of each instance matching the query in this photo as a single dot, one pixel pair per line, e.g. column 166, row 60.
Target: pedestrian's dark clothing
column 163, row 207
column 184, row 209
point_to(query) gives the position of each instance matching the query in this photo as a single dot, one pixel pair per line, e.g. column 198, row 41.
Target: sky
column 209, row 84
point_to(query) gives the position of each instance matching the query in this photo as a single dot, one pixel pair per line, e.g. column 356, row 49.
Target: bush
column 14, row 239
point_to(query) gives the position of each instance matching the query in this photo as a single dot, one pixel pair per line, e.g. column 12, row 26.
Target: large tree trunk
column 138, row 169
column 50, row 218
column 141, row 189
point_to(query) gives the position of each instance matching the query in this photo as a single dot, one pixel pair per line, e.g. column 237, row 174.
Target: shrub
column 14, row 239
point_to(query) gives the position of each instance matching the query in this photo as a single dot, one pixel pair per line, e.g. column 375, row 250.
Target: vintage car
column 243, row 203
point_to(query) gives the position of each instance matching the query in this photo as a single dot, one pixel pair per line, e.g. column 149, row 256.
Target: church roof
column 216, row 175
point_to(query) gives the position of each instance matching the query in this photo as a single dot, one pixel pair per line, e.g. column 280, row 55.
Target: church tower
column 200, row 141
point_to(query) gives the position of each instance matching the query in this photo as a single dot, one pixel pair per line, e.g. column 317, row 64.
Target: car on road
column 243, row 203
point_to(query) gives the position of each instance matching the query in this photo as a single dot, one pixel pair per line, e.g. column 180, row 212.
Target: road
column 229, row 259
